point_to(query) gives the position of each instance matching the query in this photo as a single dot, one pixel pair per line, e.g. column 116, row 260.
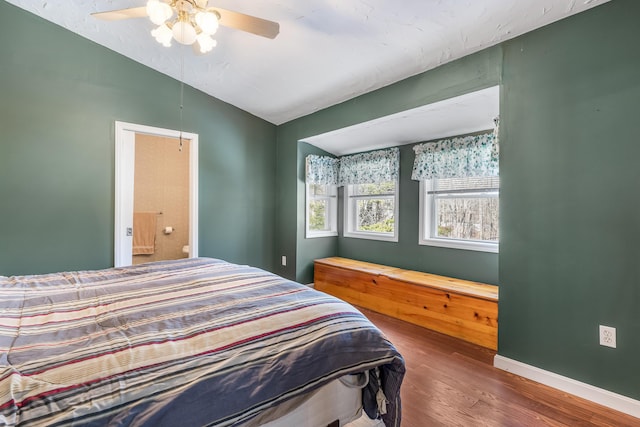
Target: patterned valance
column 370, row 168
column 462, row 157
column 322, row 170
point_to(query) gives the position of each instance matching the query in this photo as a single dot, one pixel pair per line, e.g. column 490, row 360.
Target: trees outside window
column 371, row 211
column 461, row 213
column 322, row 210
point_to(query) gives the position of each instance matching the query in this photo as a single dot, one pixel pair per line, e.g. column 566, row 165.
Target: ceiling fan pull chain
column 181, row 91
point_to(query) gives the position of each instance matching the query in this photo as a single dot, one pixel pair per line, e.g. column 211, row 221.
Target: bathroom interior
column 161, row 199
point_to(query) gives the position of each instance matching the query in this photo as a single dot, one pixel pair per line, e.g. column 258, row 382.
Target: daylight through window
column 322, row 208
column 459, row 192
column 464, row 208
column 371, row 210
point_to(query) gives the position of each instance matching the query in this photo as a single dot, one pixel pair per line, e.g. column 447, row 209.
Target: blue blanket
column 189, row 342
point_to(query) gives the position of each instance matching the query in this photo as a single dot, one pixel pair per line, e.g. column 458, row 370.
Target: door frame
column 125, row 138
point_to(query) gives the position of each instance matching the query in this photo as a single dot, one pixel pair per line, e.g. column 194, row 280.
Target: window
column 370, row 182
column 371, row 211
column 322, row 210
column 321, row 183
column 459, row 188
column 460, row 213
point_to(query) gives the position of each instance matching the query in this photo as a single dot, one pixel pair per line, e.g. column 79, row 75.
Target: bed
column 190, row 342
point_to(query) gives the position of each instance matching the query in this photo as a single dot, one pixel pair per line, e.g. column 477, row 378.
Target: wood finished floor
column 453, row 383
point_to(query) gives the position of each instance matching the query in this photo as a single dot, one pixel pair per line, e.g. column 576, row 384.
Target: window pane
column 318, row 218
column 373, row 189
column 467, row 218
column 318, row 189
column 375, row 215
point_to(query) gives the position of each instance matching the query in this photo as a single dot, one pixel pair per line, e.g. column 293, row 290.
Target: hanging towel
column 144, row 233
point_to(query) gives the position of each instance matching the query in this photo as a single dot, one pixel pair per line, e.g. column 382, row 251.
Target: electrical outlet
column 608, row 336
column 284, row 260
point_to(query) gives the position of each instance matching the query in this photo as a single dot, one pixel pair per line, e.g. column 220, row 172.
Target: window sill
column 321, row 234
column 372, row 236
column 459, row 244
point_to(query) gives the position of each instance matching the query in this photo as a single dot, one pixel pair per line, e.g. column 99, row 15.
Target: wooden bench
column 460, row 308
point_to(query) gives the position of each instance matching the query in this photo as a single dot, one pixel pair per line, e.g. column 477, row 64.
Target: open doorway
column 171, row 227
column 160, row 198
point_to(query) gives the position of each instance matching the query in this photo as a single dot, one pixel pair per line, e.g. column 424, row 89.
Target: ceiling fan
column 192, row 22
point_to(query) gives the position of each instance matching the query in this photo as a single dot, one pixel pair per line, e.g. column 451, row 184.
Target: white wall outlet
column 608, row 336
column 284, row 260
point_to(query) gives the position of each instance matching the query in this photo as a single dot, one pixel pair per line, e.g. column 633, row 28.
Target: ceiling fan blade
column 115, row 15
column 248, row 23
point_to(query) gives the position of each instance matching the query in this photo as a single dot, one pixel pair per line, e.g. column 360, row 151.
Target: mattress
column 333, row 401
column 186, row 342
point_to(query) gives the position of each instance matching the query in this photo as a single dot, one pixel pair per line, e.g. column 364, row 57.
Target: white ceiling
column 327, row 51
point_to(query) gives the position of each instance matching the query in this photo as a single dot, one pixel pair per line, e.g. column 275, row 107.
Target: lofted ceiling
column 327, row 51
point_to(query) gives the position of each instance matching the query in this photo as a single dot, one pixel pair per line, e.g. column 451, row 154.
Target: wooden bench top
column 464, row 287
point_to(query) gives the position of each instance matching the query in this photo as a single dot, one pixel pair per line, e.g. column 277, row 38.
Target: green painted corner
column 475, row 72
column 569, row 214
column 569, row 217
column 61, row 95
column 407, row 253
column 314, row 248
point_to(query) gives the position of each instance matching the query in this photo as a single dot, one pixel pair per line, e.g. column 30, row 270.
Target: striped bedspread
column 177, row 343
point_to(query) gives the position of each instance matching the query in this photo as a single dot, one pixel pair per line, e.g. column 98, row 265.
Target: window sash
column 330, row 198
column 428, row 217
column 357, row 209
column 373, row 196
column 434, row 226
column 465, row 192
column 351, row 212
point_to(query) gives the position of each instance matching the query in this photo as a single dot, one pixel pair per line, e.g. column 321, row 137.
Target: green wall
column 468, row 74
column 407, row 253
column 569, row 207
column 60, row 95
column 570, row 211
column 317, row 247
column 569, row 191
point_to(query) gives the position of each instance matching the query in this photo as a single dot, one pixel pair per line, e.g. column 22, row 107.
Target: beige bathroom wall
column 162, row 185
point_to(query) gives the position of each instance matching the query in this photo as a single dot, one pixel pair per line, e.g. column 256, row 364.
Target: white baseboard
column 586, row 391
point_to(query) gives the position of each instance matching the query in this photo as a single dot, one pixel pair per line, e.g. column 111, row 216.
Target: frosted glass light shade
column 162, row 35
column 158, row 11
column 207, row 21
column 206, row 43
column 152, row 6
column 191, row 26
column 184, row 33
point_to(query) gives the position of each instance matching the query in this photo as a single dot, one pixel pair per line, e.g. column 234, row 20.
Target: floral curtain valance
column 463, row 157
column 370, row 168
column 322, row 170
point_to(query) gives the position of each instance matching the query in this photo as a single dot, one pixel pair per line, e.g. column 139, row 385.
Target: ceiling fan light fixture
column 206, row 43
column 158, row 11
column 187, row 20
column 163, row 35
column 184, row 33
column 207, row 21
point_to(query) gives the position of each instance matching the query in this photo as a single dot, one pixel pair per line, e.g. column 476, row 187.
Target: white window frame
column 427, row 225
column 332, row 212
column 350, row 216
